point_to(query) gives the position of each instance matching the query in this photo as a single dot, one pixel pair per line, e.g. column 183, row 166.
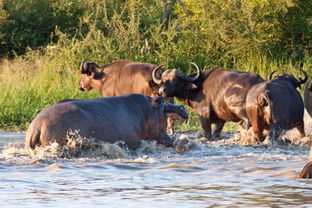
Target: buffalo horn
column 156, row 79
column 303, row 80
column 271, row 75
column 81, row 66
column 191, row 78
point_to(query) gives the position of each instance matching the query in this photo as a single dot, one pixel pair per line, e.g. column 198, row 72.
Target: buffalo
column 276, row 105
column 217, row 94
column 121, row 77
column 308, row 97
column 306, row 172
column 128, row 118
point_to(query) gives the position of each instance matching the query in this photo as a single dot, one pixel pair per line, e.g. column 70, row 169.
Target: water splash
column 183, row 143
column 80, row 147
column 76, row 147
column 244, row 137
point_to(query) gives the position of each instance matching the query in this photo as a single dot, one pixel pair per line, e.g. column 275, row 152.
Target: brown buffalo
column 120, row 78
column 308, row 97
column 306, row 172
column 128, row 118
column 217, row 95
column 276, row 105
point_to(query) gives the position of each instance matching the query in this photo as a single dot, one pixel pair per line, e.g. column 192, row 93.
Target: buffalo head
column 161, row 111
column 172, row 81
column 89, row 71
column 295, row 82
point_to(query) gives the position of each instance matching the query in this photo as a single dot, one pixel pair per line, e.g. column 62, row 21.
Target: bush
column 32, row 23
column 50, row 39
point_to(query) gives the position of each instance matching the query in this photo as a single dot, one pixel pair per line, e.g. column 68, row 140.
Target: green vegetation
column 43, row 42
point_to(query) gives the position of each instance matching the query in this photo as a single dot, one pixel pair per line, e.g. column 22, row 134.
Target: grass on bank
column 30, row 84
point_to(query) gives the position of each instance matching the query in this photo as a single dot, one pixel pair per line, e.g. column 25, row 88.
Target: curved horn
column 305, row 79
column 155, row 78
column 271, row 75
column 81, row 66
column 191, row 78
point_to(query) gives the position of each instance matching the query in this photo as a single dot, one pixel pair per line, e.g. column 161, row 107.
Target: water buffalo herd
column 138, row 104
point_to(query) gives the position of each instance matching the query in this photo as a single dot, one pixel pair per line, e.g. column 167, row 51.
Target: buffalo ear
column 87, row 68
column 262, row 100
column 91, row 69
column 84, row 69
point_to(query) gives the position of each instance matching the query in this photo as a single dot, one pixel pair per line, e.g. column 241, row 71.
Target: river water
column 230, row 172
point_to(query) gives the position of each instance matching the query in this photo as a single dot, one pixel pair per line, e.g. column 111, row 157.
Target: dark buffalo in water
column 120, row 78
column 128, row 118
column 308, row 97
column 217, row 94
column 276, row 105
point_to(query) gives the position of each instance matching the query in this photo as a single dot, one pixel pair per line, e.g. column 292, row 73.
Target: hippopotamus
column 128, row 118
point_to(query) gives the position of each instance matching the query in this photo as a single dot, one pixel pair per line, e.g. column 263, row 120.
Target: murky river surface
column 225, row 173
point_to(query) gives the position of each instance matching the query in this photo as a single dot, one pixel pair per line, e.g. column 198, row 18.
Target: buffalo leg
column 257, row 123
column 246, row 124
column 300, row 128
column 206, row 125
column 242, row 114
column 258, row 130
column 170, row 125
column 274, row 134
column 258, row 136
column 219, row 126
column 170, row 121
